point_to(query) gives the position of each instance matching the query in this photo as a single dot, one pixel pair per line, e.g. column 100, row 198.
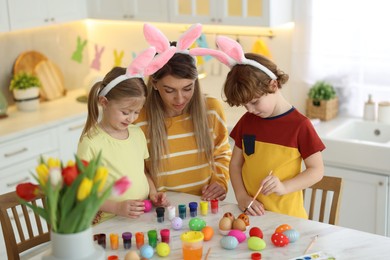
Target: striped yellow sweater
column 183, row 170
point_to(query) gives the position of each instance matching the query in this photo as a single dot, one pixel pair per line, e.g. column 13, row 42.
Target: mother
column 187, row 134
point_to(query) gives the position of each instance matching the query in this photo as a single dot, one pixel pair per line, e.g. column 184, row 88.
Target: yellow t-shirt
column 121, row 157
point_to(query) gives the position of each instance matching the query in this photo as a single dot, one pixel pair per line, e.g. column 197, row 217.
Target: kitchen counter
column 49, row 114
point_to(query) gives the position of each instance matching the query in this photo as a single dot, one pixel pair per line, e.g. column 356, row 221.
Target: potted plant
column 25, row 88
column 322, row 102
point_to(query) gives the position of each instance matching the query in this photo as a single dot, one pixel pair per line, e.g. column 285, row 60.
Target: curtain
column 348, row 44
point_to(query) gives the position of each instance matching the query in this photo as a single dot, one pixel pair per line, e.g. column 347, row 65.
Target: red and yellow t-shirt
column 278, row 144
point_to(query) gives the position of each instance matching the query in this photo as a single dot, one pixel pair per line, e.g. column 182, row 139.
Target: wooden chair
column 326, row 185
column 15, row 219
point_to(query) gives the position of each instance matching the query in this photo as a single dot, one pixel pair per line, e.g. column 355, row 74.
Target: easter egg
column 229, row 215
column 147, row 251
column 163, row 249
column 196, row 224
column 282, row 228
column 132, row 255
column 292, row 235
column 239, row 224
column 229, row 242
column 256, row 232
column 225, row 223
column 256, row 243
column 148, row 205
column 237, row 234
column 244, row 218
column 279, row 239
column 176, row 223
column 208, row 233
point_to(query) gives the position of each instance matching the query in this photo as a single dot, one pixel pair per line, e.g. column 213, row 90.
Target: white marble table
column 342, row 243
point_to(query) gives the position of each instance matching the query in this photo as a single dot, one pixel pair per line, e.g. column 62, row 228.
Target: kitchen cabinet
column 33, row 13
column 264, row 13
column 137, row 10
column 365, row 200
column 68, row 138
column 4, row 24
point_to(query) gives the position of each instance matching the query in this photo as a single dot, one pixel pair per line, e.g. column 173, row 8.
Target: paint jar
column 101, row 239
column 204, row 208
column 192, row 245
column 160, row 214
column 214, row 206
column 165, row 233
column 182, row 211
column 139, row 239
column 193, row 209
column 126, row 236
column 171, row 212
column 114, row 241
column 112, row 257
column 152, row 236
column 256, row 256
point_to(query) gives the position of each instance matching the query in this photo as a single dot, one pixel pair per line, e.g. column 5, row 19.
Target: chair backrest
column 327, row 185
column 22, row 229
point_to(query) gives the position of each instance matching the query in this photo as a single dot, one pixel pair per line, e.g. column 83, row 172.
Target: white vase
column 78, row 246
column 27, row 99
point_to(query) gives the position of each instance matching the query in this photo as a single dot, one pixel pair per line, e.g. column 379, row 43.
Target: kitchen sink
column 362, row 131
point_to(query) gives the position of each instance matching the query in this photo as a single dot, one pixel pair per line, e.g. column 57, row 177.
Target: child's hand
column 256, row 209
column 130, row 208
column 213, row 191
column 159, row 199
column 272, row 184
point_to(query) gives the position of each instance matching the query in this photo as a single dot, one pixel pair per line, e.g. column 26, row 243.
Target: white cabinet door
column 4, row 25
column 137, row 10
column 265, row 13
column 364, row 201
column 68, row 139
column 33, row 13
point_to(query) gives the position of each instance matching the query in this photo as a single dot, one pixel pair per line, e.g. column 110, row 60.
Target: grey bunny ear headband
column 139, row 67
column 230, row 53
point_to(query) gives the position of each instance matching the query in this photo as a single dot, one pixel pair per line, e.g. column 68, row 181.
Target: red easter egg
column 148, row 205
column 279, row 239
column 256, row 232
column 282, row 228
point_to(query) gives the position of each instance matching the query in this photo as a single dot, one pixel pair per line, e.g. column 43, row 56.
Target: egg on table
column 239, row 224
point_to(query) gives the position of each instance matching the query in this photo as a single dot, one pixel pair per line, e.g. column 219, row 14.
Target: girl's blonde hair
column 133, row 87
column 179, row 66
column 245, row 82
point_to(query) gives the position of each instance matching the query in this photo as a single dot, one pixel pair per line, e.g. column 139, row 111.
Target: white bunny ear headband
column 230, row 53
column 138, row 68
column 165, row 52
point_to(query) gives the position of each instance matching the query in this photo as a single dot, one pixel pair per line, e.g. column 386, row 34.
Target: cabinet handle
column 16, row 152
column 46, row 20
column 380, row 183
column 13, row 184
column 213, row 20
column 73, row 128
column 52, row 19
column 219, row 20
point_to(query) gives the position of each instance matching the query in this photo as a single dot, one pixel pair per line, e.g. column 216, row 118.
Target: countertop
column 50, row 114
column 339, row 242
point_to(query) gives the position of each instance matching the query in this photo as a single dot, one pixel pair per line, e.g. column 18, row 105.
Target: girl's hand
column 159, row 199
column 213, row 191
column 130, row 208
column 272, row 184
column 256, row 209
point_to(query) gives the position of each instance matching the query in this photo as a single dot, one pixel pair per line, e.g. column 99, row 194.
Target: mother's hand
column 213, row 191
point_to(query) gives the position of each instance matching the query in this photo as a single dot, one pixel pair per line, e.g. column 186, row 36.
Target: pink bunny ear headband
column 165, row 51
column 230, row 53
column 138, row 68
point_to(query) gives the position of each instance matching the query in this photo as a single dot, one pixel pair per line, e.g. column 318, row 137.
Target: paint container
column 214, row 206
column 114, row 241
column 152, row 237
column 160, row 214
column 171, row 212
column 204, row 208
column 126, row 236
column 193, row 209
column 139, row 239
column 182, row 211
column 165, row 233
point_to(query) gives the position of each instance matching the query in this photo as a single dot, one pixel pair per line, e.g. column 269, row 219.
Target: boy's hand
column 130, row 208
column 256, row 209
column 213, row 191
column 159, row 199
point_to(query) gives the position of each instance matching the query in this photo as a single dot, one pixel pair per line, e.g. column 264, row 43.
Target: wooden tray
column 51, row 78
column 27, row 61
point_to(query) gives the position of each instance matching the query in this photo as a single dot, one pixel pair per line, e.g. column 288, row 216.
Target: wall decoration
column 78, row 53
column 98, row 54
column 118, row 58
column 202, row 42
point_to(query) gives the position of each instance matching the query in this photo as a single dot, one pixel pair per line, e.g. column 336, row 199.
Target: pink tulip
column 121, row 185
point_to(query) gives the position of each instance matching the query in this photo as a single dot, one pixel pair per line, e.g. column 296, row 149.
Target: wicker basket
column 322, row 109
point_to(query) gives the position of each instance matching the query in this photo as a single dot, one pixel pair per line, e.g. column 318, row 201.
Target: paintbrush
column 257, row 194
column 311, row 244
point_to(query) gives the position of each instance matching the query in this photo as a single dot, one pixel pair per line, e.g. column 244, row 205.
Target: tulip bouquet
column 73, row 193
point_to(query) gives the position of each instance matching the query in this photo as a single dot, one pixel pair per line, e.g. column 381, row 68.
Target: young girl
column 121, row 95
column 271, row 139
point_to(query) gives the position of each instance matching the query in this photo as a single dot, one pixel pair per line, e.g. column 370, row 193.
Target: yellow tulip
column 101, row 175
column 53, row 163
column 70, row 163
column 43, row 173
column 84, row 189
